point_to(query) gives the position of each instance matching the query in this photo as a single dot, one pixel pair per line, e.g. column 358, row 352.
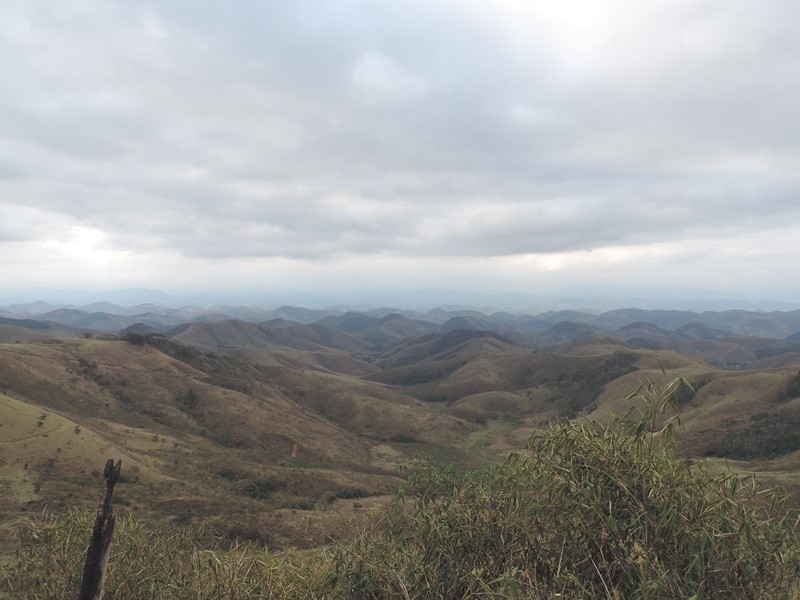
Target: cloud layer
column 349, row 143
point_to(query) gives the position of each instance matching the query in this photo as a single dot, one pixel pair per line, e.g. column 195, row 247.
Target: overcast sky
column 348, row 146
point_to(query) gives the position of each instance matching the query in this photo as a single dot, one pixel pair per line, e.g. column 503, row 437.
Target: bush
column 154, row 563
column 793, row 387
column 344, row 494
column 229, row 474
column 260, row 489
column 767, row 435
column 594, row 511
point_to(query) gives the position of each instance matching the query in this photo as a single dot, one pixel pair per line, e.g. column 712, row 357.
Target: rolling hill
column 218, row 415
column 197, row 432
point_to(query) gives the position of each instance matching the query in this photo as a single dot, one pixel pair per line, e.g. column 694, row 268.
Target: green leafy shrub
column 593, row 511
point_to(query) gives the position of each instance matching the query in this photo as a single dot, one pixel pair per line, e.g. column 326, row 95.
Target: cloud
column 381, row 79
column 424, row 133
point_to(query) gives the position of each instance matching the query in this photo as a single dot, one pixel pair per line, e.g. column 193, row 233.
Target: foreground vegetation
column 154, row 563
column 591, row 511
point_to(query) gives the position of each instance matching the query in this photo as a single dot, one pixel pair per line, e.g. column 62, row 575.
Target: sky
column 357, row 147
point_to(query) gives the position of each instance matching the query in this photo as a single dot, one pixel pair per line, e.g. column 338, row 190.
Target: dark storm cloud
column 313, row 130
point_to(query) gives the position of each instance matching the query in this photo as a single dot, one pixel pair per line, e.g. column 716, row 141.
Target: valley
column 282, row 426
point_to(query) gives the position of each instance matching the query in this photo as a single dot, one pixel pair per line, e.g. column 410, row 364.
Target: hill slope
column 197, row 432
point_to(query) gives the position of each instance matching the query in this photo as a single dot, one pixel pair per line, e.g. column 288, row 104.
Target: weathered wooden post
column 94, row 570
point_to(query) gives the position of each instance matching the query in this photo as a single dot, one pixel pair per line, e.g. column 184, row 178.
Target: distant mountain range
column 728, row 339
column 421, row 300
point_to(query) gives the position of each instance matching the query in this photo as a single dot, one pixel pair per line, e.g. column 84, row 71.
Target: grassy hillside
column 591, row 511
column 201, row 436
column 294, row 346
column 277, row 428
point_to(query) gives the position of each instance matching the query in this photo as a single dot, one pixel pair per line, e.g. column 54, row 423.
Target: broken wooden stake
column 94, row 570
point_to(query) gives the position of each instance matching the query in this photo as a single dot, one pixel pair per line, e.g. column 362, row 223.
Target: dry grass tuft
column 189, row 563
